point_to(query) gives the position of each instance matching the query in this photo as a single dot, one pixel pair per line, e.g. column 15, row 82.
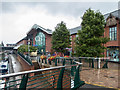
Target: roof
column 74, row 30
column 115, row 13
column 17, row 46
column 35, row 27
column 25, row 38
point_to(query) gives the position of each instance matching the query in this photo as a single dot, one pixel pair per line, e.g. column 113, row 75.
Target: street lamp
column 28, row 46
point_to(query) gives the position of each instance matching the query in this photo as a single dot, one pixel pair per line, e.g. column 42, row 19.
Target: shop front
column 113, row 53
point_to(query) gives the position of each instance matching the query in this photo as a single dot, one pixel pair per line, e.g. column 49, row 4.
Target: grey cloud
column 75, row 9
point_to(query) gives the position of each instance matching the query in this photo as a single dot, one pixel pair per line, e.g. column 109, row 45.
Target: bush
column 24, row 48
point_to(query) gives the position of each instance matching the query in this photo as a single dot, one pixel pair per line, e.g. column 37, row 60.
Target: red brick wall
column 112, row 43
column 34, row 35
column 24, row 64
column 22, row 42
column 73, row 43
column 48, row 42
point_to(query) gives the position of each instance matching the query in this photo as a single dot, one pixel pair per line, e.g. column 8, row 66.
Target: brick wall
column 24, row 64
column 48, row 42
column 112, row 43
column 22, row 42
column 73, row 43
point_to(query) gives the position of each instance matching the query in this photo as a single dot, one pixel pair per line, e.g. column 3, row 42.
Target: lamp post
column 28, row 46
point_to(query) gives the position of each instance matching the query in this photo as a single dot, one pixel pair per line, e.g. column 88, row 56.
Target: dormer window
column 113, row 33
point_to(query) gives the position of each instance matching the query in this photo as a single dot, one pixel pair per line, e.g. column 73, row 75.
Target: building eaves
column 74, row 30
column 35, row 27
column 25, row 38
column 115, row 13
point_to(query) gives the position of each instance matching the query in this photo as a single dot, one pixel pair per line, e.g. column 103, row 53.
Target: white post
column 99, row 63
column 28, row 46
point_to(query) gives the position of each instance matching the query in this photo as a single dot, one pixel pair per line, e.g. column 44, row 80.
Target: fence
column 53, row 77
column 27, row 59
column 87, row 61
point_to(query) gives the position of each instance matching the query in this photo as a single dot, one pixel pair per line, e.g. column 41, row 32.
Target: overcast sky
column 17, row 18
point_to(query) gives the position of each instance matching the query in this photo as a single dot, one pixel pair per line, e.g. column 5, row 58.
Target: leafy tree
column 61, row 38
column 24, row 48
column 90, row 40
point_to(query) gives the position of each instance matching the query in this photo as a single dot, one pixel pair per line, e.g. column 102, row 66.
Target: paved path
column 104, row 77
column 14, row 67
column 15, row 63
column 94, row 87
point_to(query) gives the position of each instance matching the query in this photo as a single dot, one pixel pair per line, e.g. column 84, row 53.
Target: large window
column 113, row 33
column 40, row 39
column 113, row 53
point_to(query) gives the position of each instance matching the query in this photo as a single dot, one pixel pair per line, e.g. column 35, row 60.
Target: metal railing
column 94, row 62
column 87, row 61
column 53, row 77
column 27, row 59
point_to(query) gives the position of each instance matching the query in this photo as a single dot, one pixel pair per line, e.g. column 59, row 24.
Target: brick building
column 22, row 41
column 41, row 37
column 112, row 30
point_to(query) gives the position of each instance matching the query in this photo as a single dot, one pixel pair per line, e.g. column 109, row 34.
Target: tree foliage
column 24, row 48
column 60, row 38
column 90, row 40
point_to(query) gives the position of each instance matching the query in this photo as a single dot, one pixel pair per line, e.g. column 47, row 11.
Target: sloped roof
column 74, row 30
column 25, row 38
column 115, row 13
column 35, row 27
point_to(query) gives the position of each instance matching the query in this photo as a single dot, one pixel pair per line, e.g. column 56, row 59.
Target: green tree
column 90, row 40
column 61, row 38
column 24, row 48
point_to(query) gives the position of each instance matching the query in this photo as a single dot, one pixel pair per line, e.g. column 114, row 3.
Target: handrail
column 107, row 58
column 26, row 59
column 94, row 57
column 38, row 70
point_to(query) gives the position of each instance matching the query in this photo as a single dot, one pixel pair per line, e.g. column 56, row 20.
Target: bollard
column 56, row 62
column 105, row 65
column 45, row 61
column 93, row 63
column 39, row 60
column 64, row 62
column 49, row 62
column 89, row 62
column 80, row 60
column 99, row 63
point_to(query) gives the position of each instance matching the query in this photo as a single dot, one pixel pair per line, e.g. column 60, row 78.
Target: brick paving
column 103, row 77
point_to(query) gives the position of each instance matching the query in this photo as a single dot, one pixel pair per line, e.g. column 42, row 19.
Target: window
column 113, row 53
column 113, row 33
column 40, row 39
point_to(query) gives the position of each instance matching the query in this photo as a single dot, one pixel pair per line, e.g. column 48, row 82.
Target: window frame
column 113, row 33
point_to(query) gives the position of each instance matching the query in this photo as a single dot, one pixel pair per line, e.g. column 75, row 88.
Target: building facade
column 41, row 37
column 112, row 31
column 22, row 41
